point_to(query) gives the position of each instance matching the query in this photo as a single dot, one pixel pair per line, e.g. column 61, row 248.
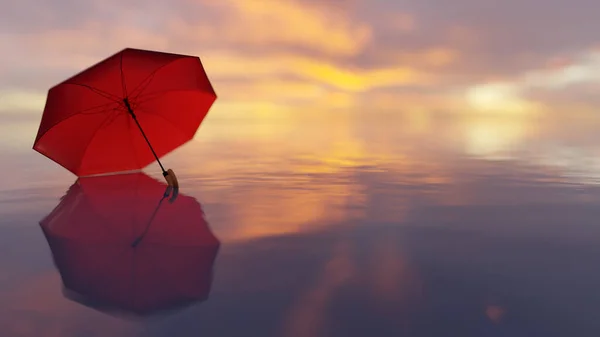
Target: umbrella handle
column 171, row 178
column 168, row 191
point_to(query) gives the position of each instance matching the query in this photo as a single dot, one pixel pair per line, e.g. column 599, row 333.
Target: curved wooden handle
column 171, row 178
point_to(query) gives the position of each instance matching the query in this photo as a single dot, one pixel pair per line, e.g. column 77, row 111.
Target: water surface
column 338, row 226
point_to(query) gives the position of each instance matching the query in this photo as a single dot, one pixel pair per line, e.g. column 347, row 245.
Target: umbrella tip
column 171, row 178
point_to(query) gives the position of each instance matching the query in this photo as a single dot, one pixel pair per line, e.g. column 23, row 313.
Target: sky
column 490, row 74
column 520, row 64
column 502, row 73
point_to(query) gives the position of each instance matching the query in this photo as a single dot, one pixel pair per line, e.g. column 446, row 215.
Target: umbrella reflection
column 128, row 244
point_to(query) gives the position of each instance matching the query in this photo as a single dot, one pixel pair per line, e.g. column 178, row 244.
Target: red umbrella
column 124, row 112
column 121, row 243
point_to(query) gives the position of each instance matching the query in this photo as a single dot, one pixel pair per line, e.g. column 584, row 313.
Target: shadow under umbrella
column 130, row 245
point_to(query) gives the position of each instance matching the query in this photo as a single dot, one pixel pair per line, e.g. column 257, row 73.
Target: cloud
column 501, row 98
column 559, row 82
column 279, row 24
column 20, row 100
column 495, row 39
column 346, row 54
column 354, row 80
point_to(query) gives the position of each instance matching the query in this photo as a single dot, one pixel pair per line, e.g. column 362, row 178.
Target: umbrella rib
column 81, row 112
column 123, row 83
column 102, row 93
column 144, row 84
column 153, row 95
column 163, row 118
column 109, row 230
column 145, row 98
column 150, row 77
column 87, row 111
column 102, row 125
column 149, row 223
column 137, row 103
column 156, row 94
column 111, row 119
column 135, row 156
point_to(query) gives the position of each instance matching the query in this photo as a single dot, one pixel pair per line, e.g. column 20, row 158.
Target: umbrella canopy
column 103, row 119
column 121, row 245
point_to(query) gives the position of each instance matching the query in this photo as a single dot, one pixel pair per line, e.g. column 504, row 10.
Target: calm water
column 313, row 227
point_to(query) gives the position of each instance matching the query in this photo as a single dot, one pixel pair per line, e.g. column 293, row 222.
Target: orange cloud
column 232, row 65
column 277, row 89
column 315, row 77
column 282, row 22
